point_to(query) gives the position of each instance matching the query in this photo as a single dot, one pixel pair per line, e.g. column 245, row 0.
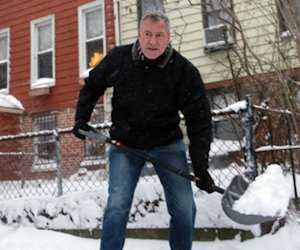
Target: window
column 45, row 145
column 297, row 97
column 144, row 6
column 94, row 152
column 225, row 127
column 4, row 60
column 217, row 22
column 42, row 52
column 294, row 88
column 91, row 36
column 289, row 16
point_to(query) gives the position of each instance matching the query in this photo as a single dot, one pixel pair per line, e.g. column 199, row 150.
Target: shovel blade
column 235, row 190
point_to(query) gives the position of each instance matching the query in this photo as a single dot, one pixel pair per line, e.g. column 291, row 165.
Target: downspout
column 117, row 22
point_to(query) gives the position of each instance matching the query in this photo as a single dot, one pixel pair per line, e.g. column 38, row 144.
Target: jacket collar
column 161, row 62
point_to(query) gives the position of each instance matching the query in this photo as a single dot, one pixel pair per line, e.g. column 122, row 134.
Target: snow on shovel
column 235, row 190
column 250, row 203
column 268, row 195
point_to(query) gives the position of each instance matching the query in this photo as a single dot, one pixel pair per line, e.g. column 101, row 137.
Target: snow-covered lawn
column 29, row 238
column 268, row 195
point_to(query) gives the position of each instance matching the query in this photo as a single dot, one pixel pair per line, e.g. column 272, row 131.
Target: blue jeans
column 125, row 170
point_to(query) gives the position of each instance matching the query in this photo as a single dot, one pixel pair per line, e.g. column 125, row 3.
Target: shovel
column 234, row 191
column 240, row 183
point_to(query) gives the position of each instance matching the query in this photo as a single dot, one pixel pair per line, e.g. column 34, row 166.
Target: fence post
column 251, row 163
column 58, row 163
column 289, row 137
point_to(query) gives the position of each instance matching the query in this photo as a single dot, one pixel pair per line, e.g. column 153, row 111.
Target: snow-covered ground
column 28, row 238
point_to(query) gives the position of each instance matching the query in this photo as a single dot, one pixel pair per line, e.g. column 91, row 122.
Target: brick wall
column 17, row 16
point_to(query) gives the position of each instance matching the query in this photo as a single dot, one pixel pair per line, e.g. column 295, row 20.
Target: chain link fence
column 53, row 162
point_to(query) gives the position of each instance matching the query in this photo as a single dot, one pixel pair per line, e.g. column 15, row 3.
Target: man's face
column 154, row 38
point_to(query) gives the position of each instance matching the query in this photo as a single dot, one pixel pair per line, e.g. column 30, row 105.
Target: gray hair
column 155, row 16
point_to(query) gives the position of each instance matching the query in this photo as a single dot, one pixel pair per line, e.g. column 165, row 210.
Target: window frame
column 82, row 11
column 6, row 33
column 145, row 5
column 283, row 24
column 95, row 152
column 37, row 82
column 221, row 99
column 41, row 164
column 222, row 43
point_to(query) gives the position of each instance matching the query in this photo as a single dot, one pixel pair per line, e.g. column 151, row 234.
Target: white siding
column 257, row 20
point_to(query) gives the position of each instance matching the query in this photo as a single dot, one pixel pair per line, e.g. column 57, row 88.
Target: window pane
column 45, row 144
column 45, row 65
column 228, row 129
column 46, row 151
column 289, row 11
column 216, row 12
column 298, row 98
column 44, row 37
column 3, row 48
column 223, row 100
column 94, row 24
column 213, row 20
column 91, row 48
column 3, row 75
column 94, row 148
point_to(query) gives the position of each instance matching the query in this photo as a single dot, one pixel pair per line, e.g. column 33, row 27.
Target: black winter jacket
column 146, row 99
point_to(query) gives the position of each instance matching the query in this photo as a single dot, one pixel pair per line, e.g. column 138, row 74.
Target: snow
column 43, row 83
column 28, row 238
column 84, row 210
column 276, row 148
column 9, row 101
column 235, row 107
column 267, row 195
column 227, row 146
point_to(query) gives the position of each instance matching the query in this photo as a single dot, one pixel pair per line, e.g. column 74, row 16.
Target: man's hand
column 80, row 125
column 205, row 182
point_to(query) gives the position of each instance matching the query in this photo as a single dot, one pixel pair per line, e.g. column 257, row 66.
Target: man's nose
column 153, row 40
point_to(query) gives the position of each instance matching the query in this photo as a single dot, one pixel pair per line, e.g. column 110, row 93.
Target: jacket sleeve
column 94, row 87
column 196, row 110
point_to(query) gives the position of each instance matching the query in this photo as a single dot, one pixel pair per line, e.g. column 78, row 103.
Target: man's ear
column 169, row 37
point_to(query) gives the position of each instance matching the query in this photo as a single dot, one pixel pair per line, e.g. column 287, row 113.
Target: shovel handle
column 219, row 190
column 94, row 134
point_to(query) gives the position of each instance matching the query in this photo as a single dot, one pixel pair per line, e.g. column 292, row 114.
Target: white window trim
column 220, row 42
column 44, row 166
column 35, row 81
column 6, row 32
column 83, row 71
